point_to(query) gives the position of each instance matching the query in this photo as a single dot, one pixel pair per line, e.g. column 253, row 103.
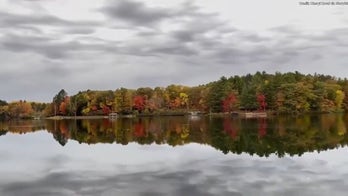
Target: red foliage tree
column 175, row 103
column 139, row 103
column 229, row 102
column 94, row 108
column 63, row 105
column 106, row 110
column 261, row 99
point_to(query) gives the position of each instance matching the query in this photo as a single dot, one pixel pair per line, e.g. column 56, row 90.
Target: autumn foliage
column 63, row 105
column 139, row 103
column 229, row 103
column 291, row 92
column 261, row 99
column 20, row 109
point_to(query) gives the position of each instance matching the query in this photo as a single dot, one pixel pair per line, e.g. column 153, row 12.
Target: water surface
column 303, row 155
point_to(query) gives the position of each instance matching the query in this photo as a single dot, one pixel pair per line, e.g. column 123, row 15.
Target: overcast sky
column 48, row 45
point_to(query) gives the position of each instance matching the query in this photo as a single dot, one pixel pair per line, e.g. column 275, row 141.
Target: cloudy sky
column 47, row 45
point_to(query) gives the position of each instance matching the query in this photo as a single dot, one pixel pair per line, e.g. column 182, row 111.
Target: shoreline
column 241, row 114
column 74, row 117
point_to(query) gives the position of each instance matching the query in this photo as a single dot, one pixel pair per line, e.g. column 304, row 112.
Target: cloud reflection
column 221, row 176
column 34, row 164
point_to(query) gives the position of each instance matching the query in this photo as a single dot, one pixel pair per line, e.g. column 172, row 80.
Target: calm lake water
column 303, row 155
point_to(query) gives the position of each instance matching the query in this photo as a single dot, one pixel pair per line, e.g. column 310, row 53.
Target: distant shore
column 75, row 117
column 241, row 114
column 112, row 117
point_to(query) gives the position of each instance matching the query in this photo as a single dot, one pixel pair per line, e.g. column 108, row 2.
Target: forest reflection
column 281, row 135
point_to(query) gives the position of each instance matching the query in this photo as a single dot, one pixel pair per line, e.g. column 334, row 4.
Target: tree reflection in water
column 276, row 135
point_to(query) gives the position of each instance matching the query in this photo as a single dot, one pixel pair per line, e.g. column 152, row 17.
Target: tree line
column 291, row 92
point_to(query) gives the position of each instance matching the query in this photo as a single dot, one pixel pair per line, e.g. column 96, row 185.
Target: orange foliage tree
column 20, row 109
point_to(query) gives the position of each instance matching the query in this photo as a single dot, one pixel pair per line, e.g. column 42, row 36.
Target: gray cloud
column 49, row 47
column 79, row 31
column 184, row 35
column 254, row 38
column 36, row 45
column 173, row 50
column 9, row 20
column 135, row 12
column 183, row 38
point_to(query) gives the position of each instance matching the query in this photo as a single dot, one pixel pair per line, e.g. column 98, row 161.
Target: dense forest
column 290, row 92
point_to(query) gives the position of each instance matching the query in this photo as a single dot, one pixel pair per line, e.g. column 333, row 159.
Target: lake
column 183, row 155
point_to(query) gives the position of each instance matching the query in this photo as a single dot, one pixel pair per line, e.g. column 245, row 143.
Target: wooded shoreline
column 279, row 93
column 240, row 114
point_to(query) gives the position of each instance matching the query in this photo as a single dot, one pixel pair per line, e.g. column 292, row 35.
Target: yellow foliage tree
column 339, row 99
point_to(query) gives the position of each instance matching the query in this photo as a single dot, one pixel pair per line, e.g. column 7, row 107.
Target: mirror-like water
column 304, row 155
